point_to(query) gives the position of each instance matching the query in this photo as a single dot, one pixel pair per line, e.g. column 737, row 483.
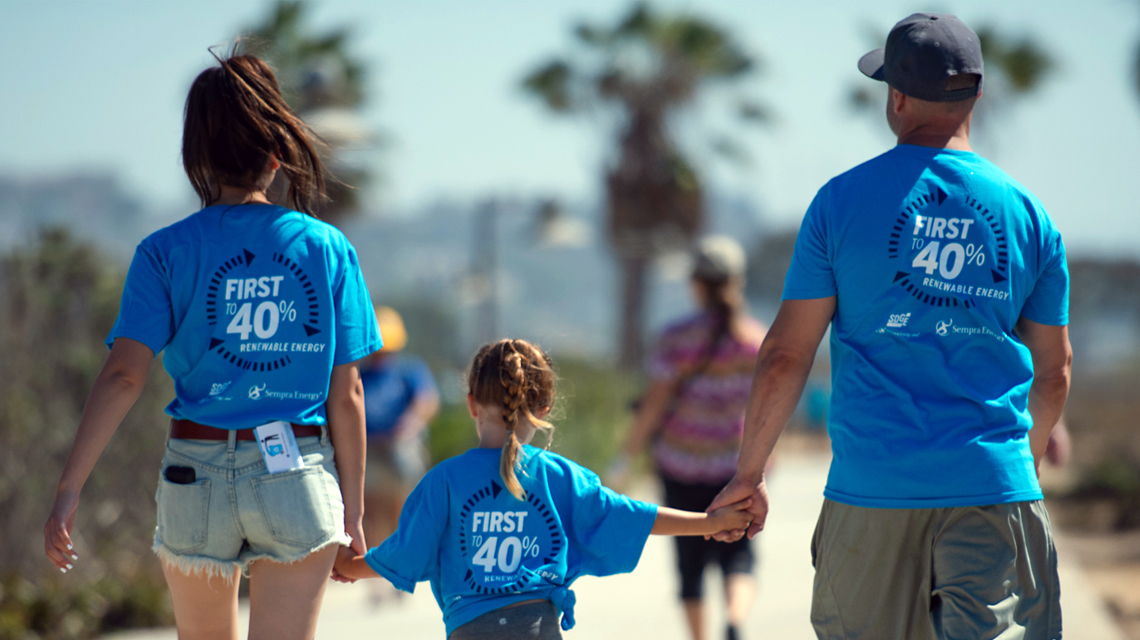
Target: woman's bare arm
column 118, row 386
column 345, row 410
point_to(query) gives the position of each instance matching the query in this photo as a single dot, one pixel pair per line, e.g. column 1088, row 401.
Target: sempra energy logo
column 946, row 328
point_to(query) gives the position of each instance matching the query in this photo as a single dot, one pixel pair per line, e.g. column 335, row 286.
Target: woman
column 262, row 313
column 693, row 411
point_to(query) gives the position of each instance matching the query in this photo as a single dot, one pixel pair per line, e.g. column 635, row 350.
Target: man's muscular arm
column 1052, row 365
column 782, row 369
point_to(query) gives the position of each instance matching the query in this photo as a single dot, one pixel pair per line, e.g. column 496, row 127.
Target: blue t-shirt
column 934, row 254
column 254, row 305
column 482, row 549
column 390, row 388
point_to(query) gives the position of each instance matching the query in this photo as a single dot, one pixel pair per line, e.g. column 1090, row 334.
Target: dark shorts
column 533, row 621
column 694, row 552
column 935, row 574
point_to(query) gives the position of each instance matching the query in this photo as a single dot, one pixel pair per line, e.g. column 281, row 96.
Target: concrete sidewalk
column 643, row 604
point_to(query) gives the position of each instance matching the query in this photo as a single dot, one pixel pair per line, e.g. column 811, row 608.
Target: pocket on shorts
column 183, row 514
column 295, row 505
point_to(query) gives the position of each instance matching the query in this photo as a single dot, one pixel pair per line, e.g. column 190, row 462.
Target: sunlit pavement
column 644, row 605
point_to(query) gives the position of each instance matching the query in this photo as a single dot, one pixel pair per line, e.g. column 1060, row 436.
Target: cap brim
column 872, row 64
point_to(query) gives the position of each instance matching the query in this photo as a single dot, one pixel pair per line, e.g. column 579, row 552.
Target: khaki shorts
column 935, row 574
column 394, row 467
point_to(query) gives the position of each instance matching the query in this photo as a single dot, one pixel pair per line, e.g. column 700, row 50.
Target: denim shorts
column 235, row 512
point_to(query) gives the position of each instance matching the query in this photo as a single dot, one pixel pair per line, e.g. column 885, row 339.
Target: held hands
column 738, row 490
column 350, row 566
column 342, row 567
column 354, row 527
column 730, row 519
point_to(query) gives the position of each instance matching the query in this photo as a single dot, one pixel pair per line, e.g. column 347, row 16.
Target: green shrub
column 58, row 300
column 1117, row 480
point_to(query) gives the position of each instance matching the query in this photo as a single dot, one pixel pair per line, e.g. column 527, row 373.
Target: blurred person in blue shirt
column 400, row 399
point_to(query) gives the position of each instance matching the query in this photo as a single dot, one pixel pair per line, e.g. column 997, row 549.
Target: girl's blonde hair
column 519, row 377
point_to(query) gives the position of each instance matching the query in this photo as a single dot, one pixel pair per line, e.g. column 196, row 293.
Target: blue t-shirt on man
column 254, row 305
column 482, row 549
column 934, row 254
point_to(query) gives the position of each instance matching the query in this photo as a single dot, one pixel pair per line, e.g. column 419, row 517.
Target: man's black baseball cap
column 923, row 50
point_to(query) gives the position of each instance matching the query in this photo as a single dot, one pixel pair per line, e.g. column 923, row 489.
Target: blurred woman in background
column 692, row 419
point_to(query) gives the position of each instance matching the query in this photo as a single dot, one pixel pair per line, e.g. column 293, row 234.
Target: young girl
column 262, row 312
column 503, row 530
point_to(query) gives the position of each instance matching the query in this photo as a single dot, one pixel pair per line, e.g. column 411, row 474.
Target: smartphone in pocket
column 179, row 475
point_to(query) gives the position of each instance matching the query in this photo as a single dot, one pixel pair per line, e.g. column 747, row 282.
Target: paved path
column 642, row 605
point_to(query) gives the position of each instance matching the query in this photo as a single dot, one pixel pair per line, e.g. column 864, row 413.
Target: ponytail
column 518, row 377
column 235, row 121
column 724, row 302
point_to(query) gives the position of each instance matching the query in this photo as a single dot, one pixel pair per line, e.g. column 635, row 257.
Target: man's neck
column 957, row 139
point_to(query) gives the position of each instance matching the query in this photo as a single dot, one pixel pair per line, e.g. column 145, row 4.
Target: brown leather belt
column 190, row 430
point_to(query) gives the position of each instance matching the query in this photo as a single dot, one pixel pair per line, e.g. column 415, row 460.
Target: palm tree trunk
column 635, row 269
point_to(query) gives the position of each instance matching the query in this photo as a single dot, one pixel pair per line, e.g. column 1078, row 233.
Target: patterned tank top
column 699, row 440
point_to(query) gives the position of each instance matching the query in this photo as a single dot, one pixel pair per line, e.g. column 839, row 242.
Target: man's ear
column 472, row 408
column 898, row 99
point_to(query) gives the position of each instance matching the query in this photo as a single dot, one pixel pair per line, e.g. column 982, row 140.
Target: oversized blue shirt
column 933, row 255
column 253, row 305
column 482, row 549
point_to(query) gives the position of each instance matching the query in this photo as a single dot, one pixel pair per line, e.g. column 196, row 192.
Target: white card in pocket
column 278, row 446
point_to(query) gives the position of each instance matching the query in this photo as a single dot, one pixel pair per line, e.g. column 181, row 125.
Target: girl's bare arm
column 352, row 567
column 674, row 522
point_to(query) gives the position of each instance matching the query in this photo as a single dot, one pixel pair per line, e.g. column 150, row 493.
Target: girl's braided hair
column 519, row 377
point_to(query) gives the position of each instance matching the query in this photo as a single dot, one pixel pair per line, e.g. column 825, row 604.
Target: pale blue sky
column 101, row 84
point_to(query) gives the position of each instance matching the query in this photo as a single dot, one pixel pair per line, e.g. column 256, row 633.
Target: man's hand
column 742, row 489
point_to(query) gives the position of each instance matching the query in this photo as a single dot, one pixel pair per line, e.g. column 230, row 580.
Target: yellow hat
column 392, row 329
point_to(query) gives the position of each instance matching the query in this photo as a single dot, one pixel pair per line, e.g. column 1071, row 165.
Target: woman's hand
column 355, row 529
column 57, row 531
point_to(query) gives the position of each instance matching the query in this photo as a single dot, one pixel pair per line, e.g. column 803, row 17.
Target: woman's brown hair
column 235, row 121
column 519, row 377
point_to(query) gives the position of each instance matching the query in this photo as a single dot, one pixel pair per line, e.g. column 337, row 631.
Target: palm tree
column 325, row 85
column 645, row 69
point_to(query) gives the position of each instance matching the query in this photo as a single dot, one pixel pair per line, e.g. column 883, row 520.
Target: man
column 400, row 400
column 945, row 286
